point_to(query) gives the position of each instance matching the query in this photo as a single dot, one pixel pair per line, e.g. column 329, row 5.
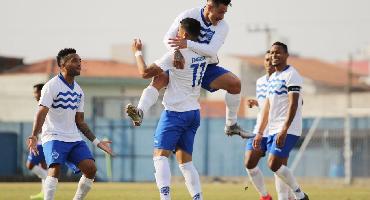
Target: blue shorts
column 249, row 144
column 212, row 72
column 177, row 130
column 283, row 152
column 36, row 159
column 69, row 153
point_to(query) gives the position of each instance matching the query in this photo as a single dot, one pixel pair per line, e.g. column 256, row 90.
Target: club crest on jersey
column 209, row 35
column 55, row 155
column 78, row 98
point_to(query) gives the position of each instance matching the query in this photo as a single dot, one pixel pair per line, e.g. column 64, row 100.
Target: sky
column 38, row 29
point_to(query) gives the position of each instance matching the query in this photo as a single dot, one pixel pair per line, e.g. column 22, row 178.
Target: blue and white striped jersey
column 279, row 83
column 261, row 95
column 63, row 101
column 211, row 38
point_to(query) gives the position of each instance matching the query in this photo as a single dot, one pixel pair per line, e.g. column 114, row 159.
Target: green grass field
column 212, row 191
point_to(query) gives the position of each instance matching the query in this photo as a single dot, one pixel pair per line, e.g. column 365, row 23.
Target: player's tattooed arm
column 178, row 60
column 83, row 127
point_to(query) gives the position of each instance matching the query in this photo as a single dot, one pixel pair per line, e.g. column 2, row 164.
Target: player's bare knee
column 274, row 165
column 54, row 170
column 234, row 86
column 160, row 81
column 161, row 152
column 29, row 165
column 90, row 171
column 250, row 164
column 93, row 170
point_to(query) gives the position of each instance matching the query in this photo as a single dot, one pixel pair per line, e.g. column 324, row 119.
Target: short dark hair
column 284, row 46
column 218, row 2
column 191, row 27
column 63, row 53
column 39, row 86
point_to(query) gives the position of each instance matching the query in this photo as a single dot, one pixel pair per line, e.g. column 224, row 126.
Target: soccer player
column 61, row 117
column 252, row 156
column 36, row 163
column 180, row 120
column 213, row 33
column 283, row 113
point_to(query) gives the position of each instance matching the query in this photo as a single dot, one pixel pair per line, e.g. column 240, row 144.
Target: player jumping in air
column 213, row 34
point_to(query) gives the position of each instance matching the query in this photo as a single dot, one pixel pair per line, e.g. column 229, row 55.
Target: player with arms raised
column 180, row 120
column 213, row 34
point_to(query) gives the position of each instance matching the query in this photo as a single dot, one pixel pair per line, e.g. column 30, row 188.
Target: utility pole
column 347, row 130
column 267, row 30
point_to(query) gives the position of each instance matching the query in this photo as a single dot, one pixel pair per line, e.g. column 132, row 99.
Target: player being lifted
column 180, row 120
column 253, row 156
column 61, row 117
column 213, row 33
column 283, row 113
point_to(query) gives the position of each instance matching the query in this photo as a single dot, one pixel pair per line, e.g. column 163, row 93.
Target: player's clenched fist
column 136, row 45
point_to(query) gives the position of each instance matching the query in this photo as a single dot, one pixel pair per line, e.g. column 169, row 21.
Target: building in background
column 324, row 85
column 100, row 79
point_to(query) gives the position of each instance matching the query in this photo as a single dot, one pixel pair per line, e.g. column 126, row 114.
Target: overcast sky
column 37, row 29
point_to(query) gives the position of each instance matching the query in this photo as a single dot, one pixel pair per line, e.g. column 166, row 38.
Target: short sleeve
column 165, row 62
column 47, row 96
column 82, row 103
column 294, row 82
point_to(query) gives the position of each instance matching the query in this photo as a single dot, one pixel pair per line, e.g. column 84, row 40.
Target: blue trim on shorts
column 177, row 130
column 249, row 144
column 290, row 142
column 36, row 159
column 69, row 153
column 212, row 72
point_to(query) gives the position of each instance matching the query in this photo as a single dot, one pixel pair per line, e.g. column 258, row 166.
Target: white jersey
column 63, row 101
column 261, row 95
column 184, row 85
column 279, row 83
column 210, row 40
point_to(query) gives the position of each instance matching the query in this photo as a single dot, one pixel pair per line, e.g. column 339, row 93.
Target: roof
column 317, row 70
column 360, row 66
column 90, row 68
column 7, row 63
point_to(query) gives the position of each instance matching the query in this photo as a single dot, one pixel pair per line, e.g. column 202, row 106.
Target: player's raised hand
column 32, row 145
column 104, row 145
column 136, row 45
column 178, row 60
column 178, row 43
column 257, row 141
column 252, row 102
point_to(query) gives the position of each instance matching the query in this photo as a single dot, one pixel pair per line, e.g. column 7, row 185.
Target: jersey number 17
column 195, row 67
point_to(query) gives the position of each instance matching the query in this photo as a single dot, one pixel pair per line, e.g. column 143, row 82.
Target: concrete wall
column 16, row 101
column 113, row 94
